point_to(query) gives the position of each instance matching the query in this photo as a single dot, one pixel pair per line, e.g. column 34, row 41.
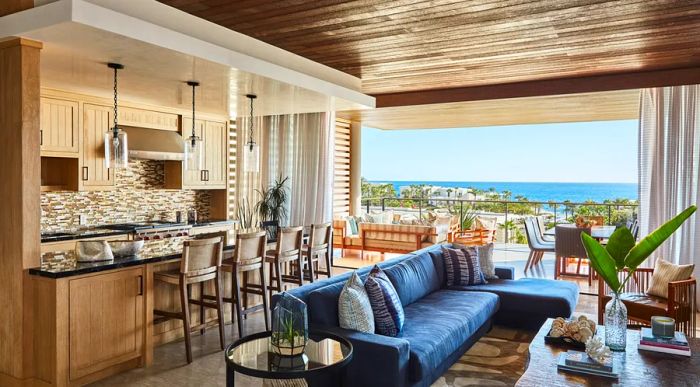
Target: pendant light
column 193, row 144
column 252, row 151
column 116, row 145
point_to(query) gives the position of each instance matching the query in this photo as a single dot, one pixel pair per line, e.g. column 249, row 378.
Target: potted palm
column 622, row 254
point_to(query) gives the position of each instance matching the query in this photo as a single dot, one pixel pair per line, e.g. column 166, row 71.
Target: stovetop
column 142, row 226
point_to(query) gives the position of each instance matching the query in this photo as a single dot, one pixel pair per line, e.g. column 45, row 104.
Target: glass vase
column 615, row 321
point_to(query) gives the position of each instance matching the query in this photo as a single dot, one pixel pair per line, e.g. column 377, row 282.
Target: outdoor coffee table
column 328, row 355
column 637, row 368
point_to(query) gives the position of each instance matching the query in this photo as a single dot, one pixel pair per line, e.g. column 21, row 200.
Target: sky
column 600, row 151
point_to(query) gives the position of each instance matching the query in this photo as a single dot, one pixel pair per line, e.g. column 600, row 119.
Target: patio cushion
column 438, row 324
column 665, row 272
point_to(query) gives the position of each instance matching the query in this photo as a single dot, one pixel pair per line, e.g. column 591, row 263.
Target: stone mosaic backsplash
column 138, row 196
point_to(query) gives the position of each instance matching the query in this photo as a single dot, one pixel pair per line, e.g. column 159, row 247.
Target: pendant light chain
column 194, row 136
column 251, row 143
column 115, row 129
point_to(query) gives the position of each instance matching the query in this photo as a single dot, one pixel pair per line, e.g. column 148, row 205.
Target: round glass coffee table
column 323, row 363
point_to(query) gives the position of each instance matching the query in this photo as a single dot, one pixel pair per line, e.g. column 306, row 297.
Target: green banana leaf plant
column 622, row 253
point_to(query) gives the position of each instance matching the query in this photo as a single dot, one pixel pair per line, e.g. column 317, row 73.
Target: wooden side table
column 637, row 368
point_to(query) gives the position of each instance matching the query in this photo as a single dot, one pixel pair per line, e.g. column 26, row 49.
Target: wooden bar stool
column 319, row 247
column 201, row 262
column 249, row 256
column 288, row 251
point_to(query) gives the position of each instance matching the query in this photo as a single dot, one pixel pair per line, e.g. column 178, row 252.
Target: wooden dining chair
column 287, row 253
column 319, row 248
column 568, row 244
column 201, row 262
column 248, row 257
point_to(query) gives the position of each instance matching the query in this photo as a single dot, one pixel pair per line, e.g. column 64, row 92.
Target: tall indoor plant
column 621, row 254
column 272, row 205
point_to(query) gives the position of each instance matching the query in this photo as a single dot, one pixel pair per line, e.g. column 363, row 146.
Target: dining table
column 597, row 232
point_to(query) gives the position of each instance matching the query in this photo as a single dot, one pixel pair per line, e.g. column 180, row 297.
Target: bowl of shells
column 574, row 332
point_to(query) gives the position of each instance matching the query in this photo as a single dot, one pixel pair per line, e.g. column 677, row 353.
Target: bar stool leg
column 219, row 309
column 184, row 300
column 236, row 290
column 201, row 308
column 245, row 293
column 266, row 309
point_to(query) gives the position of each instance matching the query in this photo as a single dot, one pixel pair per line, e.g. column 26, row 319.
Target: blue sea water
column 559, row 192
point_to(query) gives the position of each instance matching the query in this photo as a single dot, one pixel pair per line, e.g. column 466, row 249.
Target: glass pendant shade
column 193, row 154
column 116, row 150
column 251, row 163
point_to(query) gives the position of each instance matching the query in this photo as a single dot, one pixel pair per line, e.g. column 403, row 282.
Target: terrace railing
column 512, row 210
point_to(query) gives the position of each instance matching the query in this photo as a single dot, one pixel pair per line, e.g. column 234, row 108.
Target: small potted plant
column 622, row 254
column 289, row 326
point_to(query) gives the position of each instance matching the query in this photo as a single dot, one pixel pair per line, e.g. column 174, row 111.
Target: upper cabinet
column 59, row 128
column 93, row 174
column 148, row 119
column 212, row 174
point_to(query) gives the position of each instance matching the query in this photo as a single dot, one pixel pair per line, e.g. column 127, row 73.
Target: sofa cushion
column 386, row 305
column 439, row 323
column 354, row 309
column 531, row 297
column 462, row 267
column 414, row 278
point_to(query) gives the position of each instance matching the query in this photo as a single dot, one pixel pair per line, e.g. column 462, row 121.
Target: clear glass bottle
column 615, row 321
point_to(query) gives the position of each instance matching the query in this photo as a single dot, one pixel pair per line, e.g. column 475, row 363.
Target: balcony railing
column 510, row 210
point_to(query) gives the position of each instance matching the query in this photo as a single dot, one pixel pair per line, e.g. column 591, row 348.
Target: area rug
column 497, row 359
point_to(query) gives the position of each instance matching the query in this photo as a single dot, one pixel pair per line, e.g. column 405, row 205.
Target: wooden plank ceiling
column 602, row 106
column 409, row 45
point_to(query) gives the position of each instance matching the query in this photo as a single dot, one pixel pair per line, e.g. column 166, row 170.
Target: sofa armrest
column 505, row 272
column 377, row 360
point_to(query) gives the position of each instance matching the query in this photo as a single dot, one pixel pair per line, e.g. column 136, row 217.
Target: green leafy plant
column 468, row 218
column 271, row 206
column 621, row 253
column 245, row 214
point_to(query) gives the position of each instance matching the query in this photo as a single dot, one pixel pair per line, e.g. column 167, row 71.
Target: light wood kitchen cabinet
column 106, row 320
column 194, row 179
column 150, row 119
column 93, row 174
column 59, row 128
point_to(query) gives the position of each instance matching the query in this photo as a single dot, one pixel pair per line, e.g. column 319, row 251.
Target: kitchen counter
column 65, row 264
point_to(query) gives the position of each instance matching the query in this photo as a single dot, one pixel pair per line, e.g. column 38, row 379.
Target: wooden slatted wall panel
column 232, row 186
column 341, row 183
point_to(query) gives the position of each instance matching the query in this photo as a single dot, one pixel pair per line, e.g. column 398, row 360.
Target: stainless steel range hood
column 154, row 144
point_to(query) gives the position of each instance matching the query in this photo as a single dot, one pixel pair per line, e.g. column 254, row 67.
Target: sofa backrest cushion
column 323, row 304
column 439, row 263
column 414, row 278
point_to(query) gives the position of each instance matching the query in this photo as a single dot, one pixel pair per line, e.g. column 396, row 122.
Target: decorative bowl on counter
column 126, row 248
column 93, row 251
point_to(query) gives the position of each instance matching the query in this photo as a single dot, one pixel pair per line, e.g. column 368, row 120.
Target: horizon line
column 503, row 181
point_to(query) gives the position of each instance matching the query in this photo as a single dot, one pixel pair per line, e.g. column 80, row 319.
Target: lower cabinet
column 106, row 321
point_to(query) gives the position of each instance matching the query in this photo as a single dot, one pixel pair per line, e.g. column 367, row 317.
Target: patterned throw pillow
column 485, row 253
column 354, row 309
column 462, row 267
column 386, row 306
column 665, row 272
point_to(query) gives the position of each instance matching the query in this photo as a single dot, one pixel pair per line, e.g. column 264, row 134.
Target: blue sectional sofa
column 440, row 323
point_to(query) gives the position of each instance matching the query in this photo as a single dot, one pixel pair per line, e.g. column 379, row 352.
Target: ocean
column 559, row 192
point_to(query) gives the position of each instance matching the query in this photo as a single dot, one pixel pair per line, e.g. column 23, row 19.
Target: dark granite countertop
column 65, row 264
column 97, row 232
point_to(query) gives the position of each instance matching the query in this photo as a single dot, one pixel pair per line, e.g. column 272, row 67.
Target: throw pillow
column 354, row 309
column 485, row 253
column 386, row 306
column 462, row 267
column 665, row 272
column 352, row 222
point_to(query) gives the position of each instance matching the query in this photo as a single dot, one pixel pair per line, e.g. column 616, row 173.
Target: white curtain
column 296, row 146
column 669, row 169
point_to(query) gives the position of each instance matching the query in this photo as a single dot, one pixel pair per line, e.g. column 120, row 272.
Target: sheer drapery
column 669, row 157
column 297, row 146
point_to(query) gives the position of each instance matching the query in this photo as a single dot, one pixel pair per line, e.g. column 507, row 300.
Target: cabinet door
column 215, row 154
column 194, row 179
column 96, row 121
column 106, row 320
column 59, row 127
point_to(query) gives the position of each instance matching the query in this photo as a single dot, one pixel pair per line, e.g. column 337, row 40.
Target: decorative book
column 673, row 351
column 587, row 369
column 678, row 341
column 582, row 360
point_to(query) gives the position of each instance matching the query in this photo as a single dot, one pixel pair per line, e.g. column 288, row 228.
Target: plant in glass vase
column 622, row 255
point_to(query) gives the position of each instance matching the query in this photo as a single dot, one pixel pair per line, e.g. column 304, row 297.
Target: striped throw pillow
column 354, row 309
column 665, row 272
column 386, row 306
column 462, row 267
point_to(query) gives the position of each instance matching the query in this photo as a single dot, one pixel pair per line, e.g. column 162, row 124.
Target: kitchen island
column 95, row 319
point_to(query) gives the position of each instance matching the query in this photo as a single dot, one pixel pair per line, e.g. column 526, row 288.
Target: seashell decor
column 579, row 329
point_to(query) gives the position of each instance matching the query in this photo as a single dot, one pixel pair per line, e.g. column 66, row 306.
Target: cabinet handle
column 207, row 174
column 140, row 283
column 86, row 173
column 41, row 137
column 201, row 175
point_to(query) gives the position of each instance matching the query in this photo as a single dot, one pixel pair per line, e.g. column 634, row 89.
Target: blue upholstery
column 528, row 302
column 439, row 323
column 414, row 278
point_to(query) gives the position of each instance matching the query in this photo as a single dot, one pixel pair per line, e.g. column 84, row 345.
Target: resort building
column 183, row 201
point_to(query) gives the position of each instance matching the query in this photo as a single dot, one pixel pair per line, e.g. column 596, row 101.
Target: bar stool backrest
column 201, row 258
column 250, row 247
column 320, row 236
column 289, row 241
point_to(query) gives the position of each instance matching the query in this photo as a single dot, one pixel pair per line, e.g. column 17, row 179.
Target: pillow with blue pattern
column 354, row 308
column 386, row 305
column 462, row 267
